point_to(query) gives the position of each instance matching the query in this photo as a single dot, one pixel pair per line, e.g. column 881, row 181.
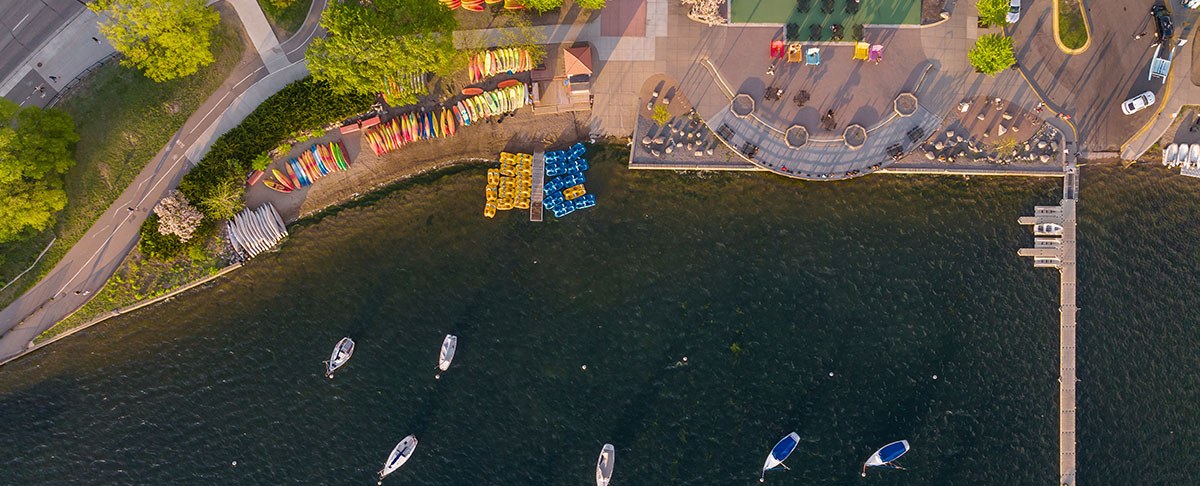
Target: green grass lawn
column 787, row 11
column 1071, row 29
column 286, row 20
column 123, row 119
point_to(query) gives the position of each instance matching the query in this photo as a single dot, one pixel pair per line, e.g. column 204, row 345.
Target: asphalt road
column 27, row 24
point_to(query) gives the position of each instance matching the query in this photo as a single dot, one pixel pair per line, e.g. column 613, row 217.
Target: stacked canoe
column 491, row 103
column 411, row 127
column 496, row 61
column 565, row 192
column 478, row 5
column 318, row 161
column 510, row 186
column 254, row 231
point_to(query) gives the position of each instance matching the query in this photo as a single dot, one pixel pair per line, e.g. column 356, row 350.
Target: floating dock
column 539, row 183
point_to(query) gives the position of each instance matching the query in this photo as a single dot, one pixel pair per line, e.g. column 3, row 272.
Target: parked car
column 1014, row 11
column 1138, row 103
column 1163, row 29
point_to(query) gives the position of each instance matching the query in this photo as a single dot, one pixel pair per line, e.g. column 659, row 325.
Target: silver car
column 1014, row 11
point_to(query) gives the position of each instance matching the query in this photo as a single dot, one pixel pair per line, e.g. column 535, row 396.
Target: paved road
column 90, row 263
column 28, row 25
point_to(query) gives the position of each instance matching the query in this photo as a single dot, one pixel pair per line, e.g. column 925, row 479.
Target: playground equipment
column 860, row 50
column 795, row 53
column 876, row 54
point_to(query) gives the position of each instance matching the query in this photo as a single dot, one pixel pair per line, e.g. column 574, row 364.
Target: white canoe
column 604, row 465
column 341, row 354
column 1170, row 154
column 400, row 455
column 449, row 346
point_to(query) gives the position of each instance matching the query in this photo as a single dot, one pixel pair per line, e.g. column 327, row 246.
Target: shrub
column 176, row 216
column 992, row 53
column 591, row 4
column 157, row 245
column 301, row 105
column 992, row 12
column 543, row 5
column 660, row 115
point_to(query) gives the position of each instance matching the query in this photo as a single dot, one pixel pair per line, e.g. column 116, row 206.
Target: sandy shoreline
column 368, row 172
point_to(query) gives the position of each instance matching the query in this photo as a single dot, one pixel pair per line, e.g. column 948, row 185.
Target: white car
column 1138, row 103
column 1014, row 11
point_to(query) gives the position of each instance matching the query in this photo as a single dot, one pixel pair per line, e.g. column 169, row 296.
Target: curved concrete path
column 90, row 263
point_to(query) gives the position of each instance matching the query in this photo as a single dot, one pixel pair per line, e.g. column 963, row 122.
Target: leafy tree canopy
column 992, row 53
column 993, row 12
column 591, row 4
column 35, row 150
column 165, row 39
column 384, row 42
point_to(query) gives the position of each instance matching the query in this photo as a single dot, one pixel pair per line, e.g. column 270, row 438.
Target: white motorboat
column 1170, row 154
column 780, row 453
column 400, row 455
column 1184, row 153
column 1047, row 229
column 341, row 354
column 1194, row 158
column 449, row 345
column 604, row 465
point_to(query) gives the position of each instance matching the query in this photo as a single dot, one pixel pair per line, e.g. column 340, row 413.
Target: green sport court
column 788, row 11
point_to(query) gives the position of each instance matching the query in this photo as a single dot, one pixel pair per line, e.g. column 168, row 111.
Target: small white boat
column 780, row 453
column 1047, row 229
column 400, row 455
column 885, row 455
column 1182, row 158
column 604, row 465
column 1194, row 159
column 1170, row 154
column 449, row 345
column 341, row 354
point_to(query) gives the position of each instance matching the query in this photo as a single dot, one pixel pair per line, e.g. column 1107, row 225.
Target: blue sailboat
column 885, row 455
column 779, row 453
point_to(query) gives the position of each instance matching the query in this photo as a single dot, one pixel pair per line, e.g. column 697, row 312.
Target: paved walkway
column 89, row 264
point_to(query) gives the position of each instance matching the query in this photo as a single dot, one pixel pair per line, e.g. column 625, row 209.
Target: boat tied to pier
column 885, row 455
column 604, row 465
column 400, row 455
column 341, row 354
column 449, row 346
column 1048, row 229
column 780, row 453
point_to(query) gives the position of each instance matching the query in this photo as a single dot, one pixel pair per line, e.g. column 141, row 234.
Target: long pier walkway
column 1054, row 229
column 539, row 181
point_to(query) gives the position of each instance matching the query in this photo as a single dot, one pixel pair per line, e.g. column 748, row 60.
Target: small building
column 564, row 80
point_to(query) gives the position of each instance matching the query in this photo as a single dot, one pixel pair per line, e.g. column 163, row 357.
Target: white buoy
column 935, row 377
column 831, row 373
column 685, row 359
column 584, row 367
column 234, row 463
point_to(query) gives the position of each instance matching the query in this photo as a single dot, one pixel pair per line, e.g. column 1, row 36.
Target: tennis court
column 804, row 14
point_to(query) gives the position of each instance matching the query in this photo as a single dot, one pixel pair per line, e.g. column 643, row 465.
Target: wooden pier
column 1058, row 251
column 539, row 182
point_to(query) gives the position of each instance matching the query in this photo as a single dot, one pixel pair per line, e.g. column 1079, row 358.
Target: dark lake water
column 765, row 285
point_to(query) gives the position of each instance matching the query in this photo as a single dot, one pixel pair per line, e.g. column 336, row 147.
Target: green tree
column 381, row 46
column 992, row 53
column 544, row 5
column 993, row 12
column 36, row 149
column 591, row 4
column 224, row 200
column 165, row 39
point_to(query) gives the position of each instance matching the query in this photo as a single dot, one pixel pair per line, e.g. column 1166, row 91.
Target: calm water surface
column 766, row 286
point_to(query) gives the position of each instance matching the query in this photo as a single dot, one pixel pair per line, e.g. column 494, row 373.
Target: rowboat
column 341, row 354
column 885, row 455
column 400, row 455
column 604, row 465
column 780, row 453
column 446, row 355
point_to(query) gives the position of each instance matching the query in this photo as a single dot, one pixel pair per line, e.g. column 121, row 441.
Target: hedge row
column 303, row 105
